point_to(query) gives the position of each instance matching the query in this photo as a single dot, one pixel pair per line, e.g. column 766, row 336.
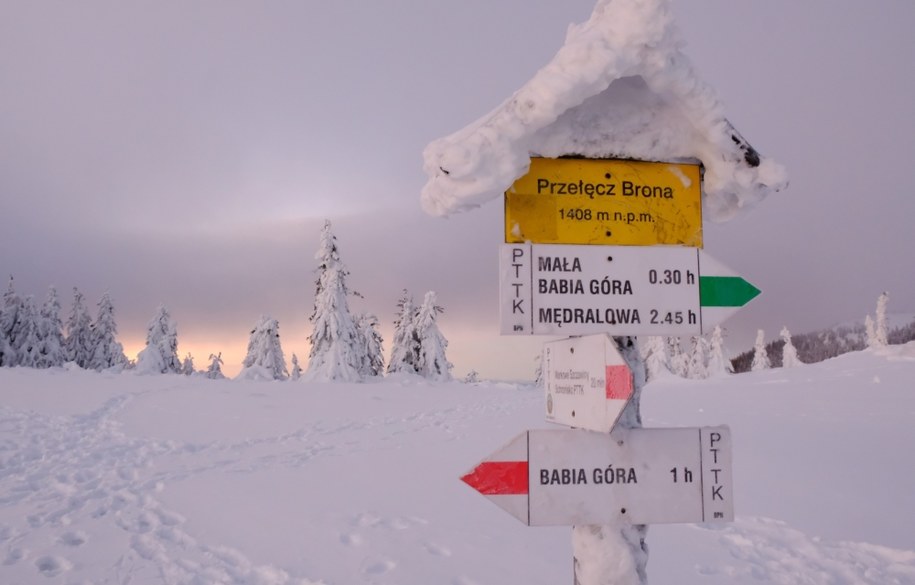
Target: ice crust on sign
column 620, row 87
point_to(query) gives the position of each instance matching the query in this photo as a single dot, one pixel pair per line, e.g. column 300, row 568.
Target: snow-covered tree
column 431, row 360
column 296, row 372
column 334, row 339
column 160, row 356
column 9, row 312
column 679, row 361
column 696, row 368
column 881, row 329
column 369, row 346
column 654, row 352
column 79, row 332
column 50, row 333
column 760, row 356
column 187, row 366
column 405, row 344
column 789, row 352
column 6, row 351
column 107, row 351
column 718, row 362
column 870, row 332
column 214, row 371
column 265, row 359
column 26, row 343
column 472, row 377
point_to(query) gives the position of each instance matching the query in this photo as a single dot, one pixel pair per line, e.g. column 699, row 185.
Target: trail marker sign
column 639, row 476
column 606, row 202
column 587, row 382
column 621, row 290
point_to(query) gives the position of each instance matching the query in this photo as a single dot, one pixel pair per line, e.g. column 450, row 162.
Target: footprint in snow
column 352, row 539
column 437, row 550
column 75, row 538
column 170, row 518
column 367, row 519
column 14, row 555
column 51, row 566
column 378, row 566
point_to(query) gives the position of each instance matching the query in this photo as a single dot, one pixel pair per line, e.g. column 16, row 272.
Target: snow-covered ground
column 129, row 479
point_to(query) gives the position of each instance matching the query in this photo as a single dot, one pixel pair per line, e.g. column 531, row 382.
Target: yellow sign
column 605, row 201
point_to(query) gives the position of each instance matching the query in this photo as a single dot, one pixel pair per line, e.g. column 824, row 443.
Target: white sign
column 587, row 382
column 552, row 289
column 642, row 476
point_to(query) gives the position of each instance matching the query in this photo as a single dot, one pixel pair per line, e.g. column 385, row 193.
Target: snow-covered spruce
column 719, row 364
column 50, row 333
column 295, row 373
column 78, row 343
column 657, row 360
column 881, row 330
column 160, row 356
column 9, row 310
column 405, row 344
column 789, row 352
column 334, row 339
column 431, row 360
column 697, row 365
column 265, row 359
column 214, row 370
column 370, row 346
column 679, row 361
column 760, row 355
column 187, row 366
column 106, row 351
column 25, row 335
column 869, row 331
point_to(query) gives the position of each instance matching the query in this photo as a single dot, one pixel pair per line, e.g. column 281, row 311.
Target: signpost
column 588, row 383
column 607, row 202
column 638, row 476
column 621, row 290
column 609, row 247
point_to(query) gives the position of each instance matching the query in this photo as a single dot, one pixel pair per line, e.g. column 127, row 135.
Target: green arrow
column 725, row 291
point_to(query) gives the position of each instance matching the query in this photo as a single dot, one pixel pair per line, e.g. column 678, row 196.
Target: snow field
column 174, row 479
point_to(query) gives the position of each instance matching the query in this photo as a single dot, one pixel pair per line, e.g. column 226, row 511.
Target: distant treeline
column 823, row 345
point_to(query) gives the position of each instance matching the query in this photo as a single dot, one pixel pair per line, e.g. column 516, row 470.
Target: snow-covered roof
column 620, row 87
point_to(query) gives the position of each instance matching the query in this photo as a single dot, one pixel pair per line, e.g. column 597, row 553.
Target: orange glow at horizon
column 202, row 346
column 492, row 356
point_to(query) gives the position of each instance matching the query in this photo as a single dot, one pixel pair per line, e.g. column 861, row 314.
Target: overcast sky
column 187, row 153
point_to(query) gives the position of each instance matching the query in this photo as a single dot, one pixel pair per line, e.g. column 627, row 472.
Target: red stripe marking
column 496, row 478
column 619, row 382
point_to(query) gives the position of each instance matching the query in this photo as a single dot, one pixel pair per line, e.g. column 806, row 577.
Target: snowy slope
column 167, row 479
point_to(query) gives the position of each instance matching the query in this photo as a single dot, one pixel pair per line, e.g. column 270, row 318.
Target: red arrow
column 547, row 477
column 499, row 478
column 619, row 382
column 503, row 478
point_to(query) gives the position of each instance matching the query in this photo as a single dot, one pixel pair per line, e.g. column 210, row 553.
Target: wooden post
column 615, row 554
